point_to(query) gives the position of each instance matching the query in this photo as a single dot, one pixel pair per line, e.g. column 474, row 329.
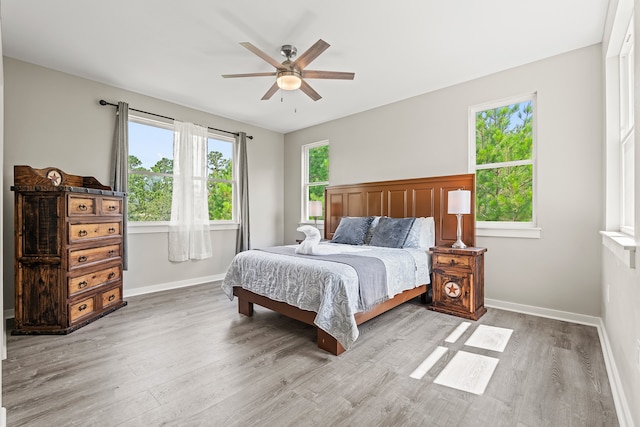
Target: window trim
column 305, row 184
column 529, row 229
column 626, row 135
column 146, row 227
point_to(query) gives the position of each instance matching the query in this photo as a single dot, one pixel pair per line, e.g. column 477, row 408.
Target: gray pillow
column 391, row 232
column 352, row 230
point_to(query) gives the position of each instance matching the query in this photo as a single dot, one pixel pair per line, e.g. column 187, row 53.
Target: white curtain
column 189, row 236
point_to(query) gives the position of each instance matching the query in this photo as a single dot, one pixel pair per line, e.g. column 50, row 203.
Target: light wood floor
column 186, row 358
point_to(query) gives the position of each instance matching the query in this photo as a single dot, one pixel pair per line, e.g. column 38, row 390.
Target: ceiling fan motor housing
column 288, row 51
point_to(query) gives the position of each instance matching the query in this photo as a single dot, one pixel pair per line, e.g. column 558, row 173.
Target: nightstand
column 458, row 281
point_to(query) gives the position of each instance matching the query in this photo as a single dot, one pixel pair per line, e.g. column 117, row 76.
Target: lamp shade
column 459, row 202
column 315, row 208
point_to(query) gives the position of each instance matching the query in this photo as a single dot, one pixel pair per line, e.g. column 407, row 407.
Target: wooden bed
column 422, row 197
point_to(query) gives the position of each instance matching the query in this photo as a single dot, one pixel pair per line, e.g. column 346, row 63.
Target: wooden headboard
column 404, row 198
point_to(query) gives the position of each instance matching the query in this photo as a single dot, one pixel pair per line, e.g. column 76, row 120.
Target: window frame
column 528, row 229
column 627, row 146
column 233, row 181
column 144, row 227
column 304, row 208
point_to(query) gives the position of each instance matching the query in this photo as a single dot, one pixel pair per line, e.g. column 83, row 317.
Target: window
column 627, row 133
column 315, row 173
column 503, row 159
column 151, row 169
column 221, row 186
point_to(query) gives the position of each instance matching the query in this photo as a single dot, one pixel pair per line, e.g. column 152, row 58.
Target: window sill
column 622, row 245
column 522, row 233
column 163, row 227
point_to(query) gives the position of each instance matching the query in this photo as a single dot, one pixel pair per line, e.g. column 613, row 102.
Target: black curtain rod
column 103, row 102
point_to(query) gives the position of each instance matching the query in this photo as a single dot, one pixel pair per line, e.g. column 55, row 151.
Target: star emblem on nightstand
column 452, row 289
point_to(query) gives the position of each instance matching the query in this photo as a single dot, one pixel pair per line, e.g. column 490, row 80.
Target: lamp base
column 459, row 244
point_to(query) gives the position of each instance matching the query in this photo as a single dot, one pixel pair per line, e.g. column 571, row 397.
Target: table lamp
column 459, row 204
column 315, row 210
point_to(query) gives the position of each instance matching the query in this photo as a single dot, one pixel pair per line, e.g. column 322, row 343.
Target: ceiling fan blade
column 229, row 76
column 310, row 54
column 262, row 55
column 338, row 75
column 309, row 91
column 273, row 89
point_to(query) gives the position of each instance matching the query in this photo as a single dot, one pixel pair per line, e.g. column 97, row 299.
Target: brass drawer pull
column 82, row 207
column 82, row 233
column 83, row 284
column 112, row 207
column 82, row 307
column 111, row 252
column 111, row 230
column 112, row 297
column 82, row 258
column 111, row 275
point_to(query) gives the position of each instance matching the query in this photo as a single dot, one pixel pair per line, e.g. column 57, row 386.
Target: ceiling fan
column 290, row 74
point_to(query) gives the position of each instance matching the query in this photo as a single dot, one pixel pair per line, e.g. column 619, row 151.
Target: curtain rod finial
column 103, row 102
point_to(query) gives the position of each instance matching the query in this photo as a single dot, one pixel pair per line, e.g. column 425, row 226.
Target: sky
column 151, row 143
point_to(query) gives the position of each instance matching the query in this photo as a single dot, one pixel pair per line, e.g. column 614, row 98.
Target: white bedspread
column 328, row 288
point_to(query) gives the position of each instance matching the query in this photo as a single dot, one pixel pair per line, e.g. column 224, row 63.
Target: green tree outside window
column 317, row 173
column 504, row 163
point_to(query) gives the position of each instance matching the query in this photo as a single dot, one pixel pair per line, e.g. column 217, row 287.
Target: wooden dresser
column 68, row 246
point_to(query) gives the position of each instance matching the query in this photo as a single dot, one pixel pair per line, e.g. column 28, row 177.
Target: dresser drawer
column 91, row 280
column 81, row 205
column 111, row 296
column 111, row 206
column 450, row 260
column 81, row 308
column 80, row 232
column 81, row 257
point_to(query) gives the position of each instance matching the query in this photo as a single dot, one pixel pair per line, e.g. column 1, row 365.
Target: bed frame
column 397, row 199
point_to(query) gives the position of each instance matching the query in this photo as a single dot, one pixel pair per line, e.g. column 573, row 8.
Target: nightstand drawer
column 451, row 260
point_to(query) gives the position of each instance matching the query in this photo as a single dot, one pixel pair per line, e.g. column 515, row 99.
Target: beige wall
column 428, row 135
column 54, row 119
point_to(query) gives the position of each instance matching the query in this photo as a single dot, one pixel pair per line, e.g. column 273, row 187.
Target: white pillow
column 422, row 234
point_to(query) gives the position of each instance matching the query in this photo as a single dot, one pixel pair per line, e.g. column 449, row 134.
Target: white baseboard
column 619, row 399
column 567, row 316
column 617, row 392
column 170, row 285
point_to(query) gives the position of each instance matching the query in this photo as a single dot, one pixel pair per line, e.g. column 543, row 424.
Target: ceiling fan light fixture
column 288, row 80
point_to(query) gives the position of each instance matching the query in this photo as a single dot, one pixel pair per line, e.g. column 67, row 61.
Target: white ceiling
column 177, row 50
